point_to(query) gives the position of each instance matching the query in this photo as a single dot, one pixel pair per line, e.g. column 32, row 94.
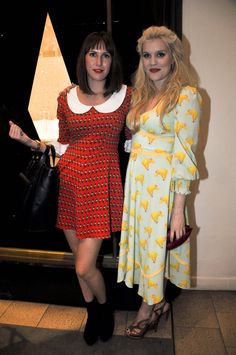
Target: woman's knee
column 84, row 271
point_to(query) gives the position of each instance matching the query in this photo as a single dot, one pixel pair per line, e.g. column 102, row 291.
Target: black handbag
column 39, row 192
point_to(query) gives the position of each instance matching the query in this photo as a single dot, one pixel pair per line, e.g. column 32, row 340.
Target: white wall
column 209, row 29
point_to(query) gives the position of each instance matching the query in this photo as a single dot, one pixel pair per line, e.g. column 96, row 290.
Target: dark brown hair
column 114, row 78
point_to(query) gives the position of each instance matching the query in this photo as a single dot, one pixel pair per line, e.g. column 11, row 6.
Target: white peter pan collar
column 112, row 104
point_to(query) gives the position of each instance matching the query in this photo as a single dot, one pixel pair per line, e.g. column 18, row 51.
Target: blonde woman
column 164, row 120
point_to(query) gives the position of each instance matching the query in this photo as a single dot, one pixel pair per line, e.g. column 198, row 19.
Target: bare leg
column 90, row 278
column 100, row 320
column 144, row 312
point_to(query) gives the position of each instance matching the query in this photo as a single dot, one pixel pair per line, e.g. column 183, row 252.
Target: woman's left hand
column 177, row 223
column 16, row 132
column 177, row 227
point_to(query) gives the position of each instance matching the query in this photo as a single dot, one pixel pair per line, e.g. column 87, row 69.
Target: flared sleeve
column 186, row 128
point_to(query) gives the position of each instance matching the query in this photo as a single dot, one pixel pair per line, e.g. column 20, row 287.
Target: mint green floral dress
column 161, row 162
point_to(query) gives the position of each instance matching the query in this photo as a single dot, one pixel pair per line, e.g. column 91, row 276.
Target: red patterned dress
column 91, row 192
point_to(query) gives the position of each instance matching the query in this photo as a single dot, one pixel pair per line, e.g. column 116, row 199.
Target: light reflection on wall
column 50, row 78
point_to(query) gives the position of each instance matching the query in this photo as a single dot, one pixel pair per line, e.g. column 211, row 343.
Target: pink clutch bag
column 177, row 242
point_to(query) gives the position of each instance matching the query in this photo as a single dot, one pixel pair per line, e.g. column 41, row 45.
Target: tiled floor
column 204, row 321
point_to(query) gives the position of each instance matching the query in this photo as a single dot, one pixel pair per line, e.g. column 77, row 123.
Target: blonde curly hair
column 144, row 88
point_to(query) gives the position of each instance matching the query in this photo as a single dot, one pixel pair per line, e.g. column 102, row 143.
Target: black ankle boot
column 91, row 327
column 106, row 321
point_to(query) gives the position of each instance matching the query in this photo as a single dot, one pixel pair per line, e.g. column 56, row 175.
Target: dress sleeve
column 187, row 118
column 64, row 133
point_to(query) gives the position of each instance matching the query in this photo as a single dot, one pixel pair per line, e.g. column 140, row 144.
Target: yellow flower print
column 145, row 118
column 164, row 199
column 137, row 145
column 125, row 209
column 175, row 266
column 153, row 256
column 193, row 113
column 151, row 189
column 162, row 172
column 144, row 204
column 146, row 268
column 122, row 266
column 140, row 178
column 152, row 284
column 136, row 264
column 161, row 241
column 180, row 156
column 151, row 139
column 143, row 243
column 182, row 97
column 150, row 131
column 159, row 151
column 166, row 126
column 124, row 226
column 147, row 162
column 131, row 279
column 134, row 195
column 189, row 141
column 133, row 156
column 139, row 218
column 169, row 158
column 179, row 184
column 192, row 169
column 131, row 229
column 156, row 299
column 132, row 212
column 179, row 125
column 148, row 230
column 187, row 270
column 156, row 215
column 191, row 88
column 183, row 284
column 129, row 268
column 170, row 140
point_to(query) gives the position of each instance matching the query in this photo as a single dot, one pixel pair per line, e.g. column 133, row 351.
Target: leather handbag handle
column 52, row 153
column 50, row 150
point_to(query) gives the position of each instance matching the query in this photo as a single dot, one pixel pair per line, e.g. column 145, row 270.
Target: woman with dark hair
column 91, row 118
